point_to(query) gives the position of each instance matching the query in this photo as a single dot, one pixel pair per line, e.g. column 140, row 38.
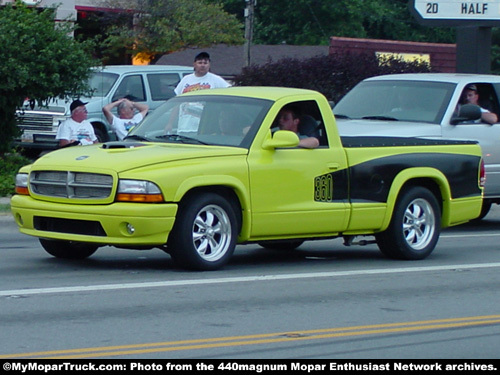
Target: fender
column 236, row 185
column 405, row 177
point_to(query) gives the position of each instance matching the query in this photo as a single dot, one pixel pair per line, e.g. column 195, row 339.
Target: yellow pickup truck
column 211, row 169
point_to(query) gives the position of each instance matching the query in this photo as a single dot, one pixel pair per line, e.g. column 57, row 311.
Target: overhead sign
column 457, row 12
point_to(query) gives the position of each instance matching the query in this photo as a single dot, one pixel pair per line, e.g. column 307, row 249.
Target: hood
column 61, row 106
column 123, row 156
column 387, row 128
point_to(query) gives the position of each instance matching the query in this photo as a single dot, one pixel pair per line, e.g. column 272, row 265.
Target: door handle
column 333, row 166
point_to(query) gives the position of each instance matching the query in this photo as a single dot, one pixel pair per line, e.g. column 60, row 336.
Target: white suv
column 150, row 84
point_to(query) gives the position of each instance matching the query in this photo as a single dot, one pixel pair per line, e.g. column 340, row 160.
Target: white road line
column 246, row 279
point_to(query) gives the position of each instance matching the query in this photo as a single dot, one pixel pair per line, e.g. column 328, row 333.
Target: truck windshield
column 101, row 83
column 204, row 120
column 422, row 101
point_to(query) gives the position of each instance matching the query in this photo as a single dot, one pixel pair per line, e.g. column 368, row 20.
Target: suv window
column 162, row 85
column 131, row 87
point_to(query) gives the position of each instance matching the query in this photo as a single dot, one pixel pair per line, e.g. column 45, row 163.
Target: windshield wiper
column 181, row 138
column 138, row 137
column 383, row 118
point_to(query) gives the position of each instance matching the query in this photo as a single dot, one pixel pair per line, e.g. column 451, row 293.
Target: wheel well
column 429, row 184
column 224, row 192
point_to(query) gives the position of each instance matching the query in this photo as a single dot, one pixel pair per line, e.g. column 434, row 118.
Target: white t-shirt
column 193, row 83
column 121, row 126
column 81, row 131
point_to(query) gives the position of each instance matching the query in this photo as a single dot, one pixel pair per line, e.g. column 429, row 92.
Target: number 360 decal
column 323, row 188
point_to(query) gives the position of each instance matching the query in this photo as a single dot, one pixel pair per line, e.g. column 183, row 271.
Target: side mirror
column 281, row 139
column 467, row 112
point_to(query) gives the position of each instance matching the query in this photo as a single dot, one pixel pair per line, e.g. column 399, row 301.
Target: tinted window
column 101, row 83
column 162, row 85
column 131, row 87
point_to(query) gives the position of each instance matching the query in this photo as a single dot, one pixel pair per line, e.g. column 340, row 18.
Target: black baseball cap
column 76, row 103
column 202, row 56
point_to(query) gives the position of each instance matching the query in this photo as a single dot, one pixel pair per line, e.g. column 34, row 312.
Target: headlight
column 22, row 184
column 138, row 191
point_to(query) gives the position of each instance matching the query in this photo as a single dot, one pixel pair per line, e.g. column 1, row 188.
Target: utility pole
column 249, row 11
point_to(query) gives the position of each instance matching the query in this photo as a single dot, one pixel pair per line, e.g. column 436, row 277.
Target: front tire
column 205, row 232
column 67, row 249
column 415, row 226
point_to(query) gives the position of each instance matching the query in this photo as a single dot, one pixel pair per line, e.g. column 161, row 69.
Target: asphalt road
column 324, row 300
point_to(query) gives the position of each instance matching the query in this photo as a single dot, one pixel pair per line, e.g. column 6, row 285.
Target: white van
column 149, row 84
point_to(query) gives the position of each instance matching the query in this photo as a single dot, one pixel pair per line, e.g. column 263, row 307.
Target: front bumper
column 151, row 222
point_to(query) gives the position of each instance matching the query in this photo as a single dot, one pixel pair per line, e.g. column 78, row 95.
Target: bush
column 9, row 165
column 333, row 75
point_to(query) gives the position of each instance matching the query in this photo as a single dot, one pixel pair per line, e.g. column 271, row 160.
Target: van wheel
column 67, row 249
column 204, row 234
column 415, row 226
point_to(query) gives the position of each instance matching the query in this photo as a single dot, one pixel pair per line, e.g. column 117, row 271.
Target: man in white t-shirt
column 127, row 118
column 76, row 130
column 202, row 78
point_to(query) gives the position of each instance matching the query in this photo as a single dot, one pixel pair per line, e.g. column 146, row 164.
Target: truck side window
column 162, row 85
column 311, row 121
column 131, row 87
column 483, row 95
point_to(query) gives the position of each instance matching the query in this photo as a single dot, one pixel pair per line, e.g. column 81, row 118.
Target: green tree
column 313, row 22
column 163, row 26
column 40, row 61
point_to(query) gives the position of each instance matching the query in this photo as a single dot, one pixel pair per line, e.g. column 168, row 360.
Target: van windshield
column 101, row 83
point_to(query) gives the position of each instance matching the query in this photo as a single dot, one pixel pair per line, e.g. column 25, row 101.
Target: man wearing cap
column 76, row 130
column 471, row 96
column 202, row 78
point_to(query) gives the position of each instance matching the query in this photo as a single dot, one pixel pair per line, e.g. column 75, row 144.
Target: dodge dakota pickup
column 211, row 169
column 430, row 105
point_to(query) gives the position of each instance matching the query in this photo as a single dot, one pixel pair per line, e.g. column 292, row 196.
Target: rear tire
column 204, row 234
column 67, row 249
column 415, row 226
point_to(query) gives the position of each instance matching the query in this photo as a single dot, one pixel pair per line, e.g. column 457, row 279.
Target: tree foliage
column 313, row 22
column 332, row 75
column 40, row 61
column 163, row 26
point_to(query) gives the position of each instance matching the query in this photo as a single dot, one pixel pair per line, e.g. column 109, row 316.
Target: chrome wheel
column 419, row 224
column 212, row 233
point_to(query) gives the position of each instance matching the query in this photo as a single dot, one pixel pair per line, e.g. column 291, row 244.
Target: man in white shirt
column 76, row 130
column 202, row 78
column 127, row 118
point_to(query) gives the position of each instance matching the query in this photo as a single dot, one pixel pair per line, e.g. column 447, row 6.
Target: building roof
column 228, row 61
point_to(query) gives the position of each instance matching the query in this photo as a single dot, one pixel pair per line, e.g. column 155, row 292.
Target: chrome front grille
column 72, row 185
column 36, row 120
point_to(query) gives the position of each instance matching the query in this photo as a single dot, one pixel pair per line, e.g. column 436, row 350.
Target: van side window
column 162, row 85
column 131, row 87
